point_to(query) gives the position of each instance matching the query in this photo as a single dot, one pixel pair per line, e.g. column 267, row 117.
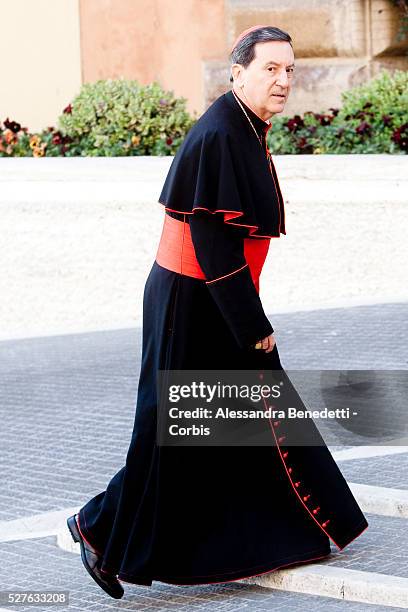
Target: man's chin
column 277, row 108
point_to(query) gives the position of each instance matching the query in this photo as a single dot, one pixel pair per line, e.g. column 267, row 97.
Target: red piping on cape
column 226, row 219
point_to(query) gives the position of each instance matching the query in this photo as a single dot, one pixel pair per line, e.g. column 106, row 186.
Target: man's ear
column 236, row 72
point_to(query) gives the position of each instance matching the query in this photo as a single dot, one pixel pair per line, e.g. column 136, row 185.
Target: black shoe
column 91, row 559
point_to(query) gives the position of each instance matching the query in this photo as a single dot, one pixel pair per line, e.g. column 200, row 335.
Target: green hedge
column 107, row 118
column 121, row 117
column 373, row 118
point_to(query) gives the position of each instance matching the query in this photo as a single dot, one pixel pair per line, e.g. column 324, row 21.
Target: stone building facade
column 51, row 48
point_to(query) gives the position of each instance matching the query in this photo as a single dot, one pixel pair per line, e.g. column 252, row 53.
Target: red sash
column 176, row 251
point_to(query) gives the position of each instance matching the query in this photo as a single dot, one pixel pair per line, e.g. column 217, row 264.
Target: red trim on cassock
column 225, row 275
column 167, row 580
column 295, row 485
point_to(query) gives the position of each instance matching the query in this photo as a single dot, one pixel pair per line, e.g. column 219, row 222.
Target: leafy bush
column 107, row 118
column 121, row 117
column 373, row 119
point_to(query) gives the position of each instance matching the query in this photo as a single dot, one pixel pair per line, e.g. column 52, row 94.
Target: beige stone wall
column 319, row 28
column 385, row 20
column 41, row 63
column 163, row 40
column 338, row 44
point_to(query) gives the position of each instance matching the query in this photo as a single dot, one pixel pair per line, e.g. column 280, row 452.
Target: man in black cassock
column 197, row 514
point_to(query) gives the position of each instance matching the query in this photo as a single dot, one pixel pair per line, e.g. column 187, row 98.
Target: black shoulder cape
column 222, row 167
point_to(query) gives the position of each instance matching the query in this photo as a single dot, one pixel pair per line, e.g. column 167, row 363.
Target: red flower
column 387, row 119
column 324, row 119
column 295, row 123
column 363, row 128
column 362, row 115
column 169, row 141
column 400, row 137
column 304, row 146
column 68, row 109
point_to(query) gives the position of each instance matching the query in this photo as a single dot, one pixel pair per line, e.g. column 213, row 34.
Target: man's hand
column 267, row 344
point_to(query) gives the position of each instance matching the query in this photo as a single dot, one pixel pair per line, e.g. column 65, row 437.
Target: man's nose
column 282, row 79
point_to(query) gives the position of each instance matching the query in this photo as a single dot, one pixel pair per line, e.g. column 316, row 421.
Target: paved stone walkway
column 40, row 564
column 61, row 395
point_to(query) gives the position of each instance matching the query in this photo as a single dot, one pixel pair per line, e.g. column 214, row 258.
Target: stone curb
column 336, row 582
column 316, row 579
column 36, row 526
column 349, row 585
column 381, row 500
column 364, row 452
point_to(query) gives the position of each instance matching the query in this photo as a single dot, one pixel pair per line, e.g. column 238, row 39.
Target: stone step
column 366, row 571
column 343, row 584
column 373, row 569
column 40, row 565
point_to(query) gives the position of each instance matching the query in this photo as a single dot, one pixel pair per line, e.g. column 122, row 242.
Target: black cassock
column 205, row 514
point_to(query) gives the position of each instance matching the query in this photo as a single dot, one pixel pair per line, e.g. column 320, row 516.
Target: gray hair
column 244, row 51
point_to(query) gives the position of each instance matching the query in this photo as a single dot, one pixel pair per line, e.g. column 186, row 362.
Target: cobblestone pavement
column 387, row 471
column 360, row 337
column 59, row 399
column 60, row 396
column 382, row 548
column 40, row 564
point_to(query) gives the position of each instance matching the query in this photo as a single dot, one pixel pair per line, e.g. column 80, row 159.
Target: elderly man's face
column 270, row 73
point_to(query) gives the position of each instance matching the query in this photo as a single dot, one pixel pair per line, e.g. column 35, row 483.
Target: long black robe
column 205, row 514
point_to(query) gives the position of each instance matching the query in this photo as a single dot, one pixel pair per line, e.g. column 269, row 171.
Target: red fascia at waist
column 176, row 251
